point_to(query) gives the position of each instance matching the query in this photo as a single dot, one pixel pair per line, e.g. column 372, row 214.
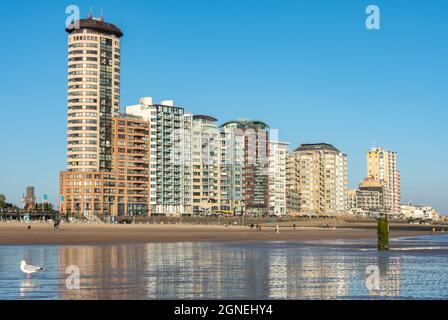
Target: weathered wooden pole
column 383, row 233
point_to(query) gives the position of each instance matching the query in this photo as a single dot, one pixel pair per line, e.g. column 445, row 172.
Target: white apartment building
column 170, row 149
column 205, row 164
column 419, row 212
column 231, row 172
column 278, row 152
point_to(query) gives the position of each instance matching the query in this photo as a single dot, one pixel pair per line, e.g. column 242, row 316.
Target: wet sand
column 83, row 234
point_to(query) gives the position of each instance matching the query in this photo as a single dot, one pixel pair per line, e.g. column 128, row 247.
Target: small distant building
column 369, row 198
column 29, row 200
column 419, row 212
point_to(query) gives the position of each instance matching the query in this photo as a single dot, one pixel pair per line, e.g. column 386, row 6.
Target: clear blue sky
column 309, row 68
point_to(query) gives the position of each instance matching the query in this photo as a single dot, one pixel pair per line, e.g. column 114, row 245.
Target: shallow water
column 416, row 268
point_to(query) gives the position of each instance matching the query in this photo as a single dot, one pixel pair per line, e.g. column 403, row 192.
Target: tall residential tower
column 253, row 137
column 382, row 166
column 322, row 182
column 278, row 153
column 93, row 93
column 169, row 155
column 89, row 186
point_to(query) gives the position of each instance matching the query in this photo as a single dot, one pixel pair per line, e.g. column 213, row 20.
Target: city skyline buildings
column 115, row 171
column 412, row 177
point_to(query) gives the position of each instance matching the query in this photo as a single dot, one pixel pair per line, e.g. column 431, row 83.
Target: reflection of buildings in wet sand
column 105, row 272
column 158, row 270
column 328, row 277
column 186, row 270
column 221, row 271
column 390, row 277
column 169, row 270
column 306, row 276
column 278, row 272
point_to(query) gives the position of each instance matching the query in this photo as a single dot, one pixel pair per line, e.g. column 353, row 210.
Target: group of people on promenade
column 276, row 229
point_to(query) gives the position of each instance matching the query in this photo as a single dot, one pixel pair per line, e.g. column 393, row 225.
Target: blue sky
column 309, row 68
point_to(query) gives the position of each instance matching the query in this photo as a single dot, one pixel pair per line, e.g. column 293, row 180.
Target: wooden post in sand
column 383, row 233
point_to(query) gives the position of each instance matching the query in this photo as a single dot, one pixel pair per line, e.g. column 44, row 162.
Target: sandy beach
column 79, row 234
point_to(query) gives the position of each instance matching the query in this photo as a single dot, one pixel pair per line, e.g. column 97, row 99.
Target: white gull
column 29, row 269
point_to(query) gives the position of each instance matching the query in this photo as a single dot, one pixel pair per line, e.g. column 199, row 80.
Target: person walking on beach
column 56, row 225
column 294, row 227
column 277, row 229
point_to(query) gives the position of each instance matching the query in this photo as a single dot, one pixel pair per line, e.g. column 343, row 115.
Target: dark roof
column 316, row 146
column 244, row 123
column 99, row 25
column 201, row 116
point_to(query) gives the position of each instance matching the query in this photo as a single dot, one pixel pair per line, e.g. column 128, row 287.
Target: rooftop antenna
column 102, row 18
column 90, row 13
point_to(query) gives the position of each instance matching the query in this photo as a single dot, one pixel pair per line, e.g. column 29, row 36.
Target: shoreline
column 95, row 234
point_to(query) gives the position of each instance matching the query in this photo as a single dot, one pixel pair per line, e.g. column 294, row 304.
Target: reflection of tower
column 322, row 277
column 183, row 271
column 256, row 264
column 390, row 277
column 110, row 272
column 278, row 275
column 308, row 275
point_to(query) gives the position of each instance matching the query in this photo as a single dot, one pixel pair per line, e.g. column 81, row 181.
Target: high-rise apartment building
column 322, row 181
column 231, row 171
column 292, row 185
column 278, row 152
column 170, row 152
column 205, row 163
column 131, row 165
column 93, row 93
column 382, row 166
column 88, row 187
column 255, row 163
column 122, row 192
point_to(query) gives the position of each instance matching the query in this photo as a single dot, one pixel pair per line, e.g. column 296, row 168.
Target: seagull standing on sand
column 29, row 269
